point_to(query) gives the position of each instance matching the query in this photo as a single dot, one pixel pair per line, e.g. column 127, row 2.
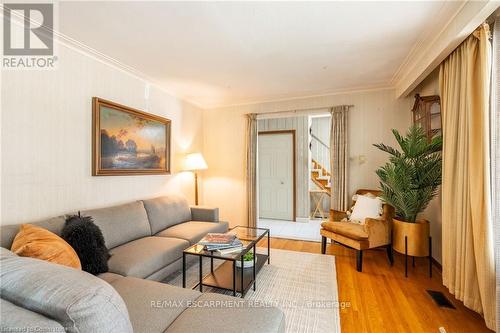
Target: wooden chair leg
column 390, row 254
column 359, row 260
column 323, row 244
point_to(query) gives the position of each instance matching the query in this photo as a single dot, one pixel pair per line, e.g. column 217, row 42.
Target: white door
column 275, row 170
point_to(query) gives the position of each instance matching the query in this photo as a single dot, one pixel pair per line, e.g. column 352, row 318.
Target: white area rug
column 303, row 285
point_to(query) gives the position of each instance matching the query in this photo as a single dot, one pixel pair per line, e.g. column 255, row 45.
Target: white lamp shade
column 194, row 162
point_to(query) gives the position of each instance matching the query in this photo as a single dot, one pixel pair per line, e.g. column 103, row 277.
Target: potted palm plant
column 408, row 182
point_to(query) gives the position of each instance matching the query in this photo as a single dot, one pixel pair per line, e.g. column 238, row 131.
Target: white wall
column 46, row 139
column 370, row 121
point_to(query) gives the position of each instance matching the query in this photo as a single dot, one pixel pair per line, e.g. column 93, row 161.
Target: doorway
column 276, row 175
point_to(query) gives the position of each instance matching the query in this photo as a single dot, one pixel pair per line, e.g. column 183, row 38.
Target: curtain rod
column 295, row 111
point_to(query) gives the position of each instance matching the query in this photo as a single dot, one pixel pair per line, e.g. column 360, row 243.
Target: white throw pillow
column 366, row 207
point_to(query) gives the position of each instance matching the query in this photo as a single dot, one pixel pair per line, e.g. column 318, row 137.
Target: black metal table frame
column 212, row 256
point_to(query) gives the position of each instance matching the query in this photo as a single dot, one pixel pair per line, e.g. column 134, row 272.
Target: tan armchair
column 373, row 233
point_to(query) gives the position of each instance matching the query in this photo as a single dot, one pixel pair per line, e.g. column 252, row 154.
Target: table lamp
column 195, row 162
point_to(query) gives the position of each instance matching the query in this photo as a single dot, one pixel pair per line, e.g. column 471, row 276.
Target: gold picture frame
column 126, row 141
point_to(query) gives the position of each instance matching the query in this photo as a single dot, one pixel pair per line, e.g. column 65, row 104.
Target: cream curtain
column 339, row 157
column 468, row 256
column 251, row 169
column 495, row 158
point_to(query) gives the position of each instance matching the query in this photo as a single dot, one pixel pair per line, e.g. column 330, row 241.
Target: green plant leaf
column 412, row 176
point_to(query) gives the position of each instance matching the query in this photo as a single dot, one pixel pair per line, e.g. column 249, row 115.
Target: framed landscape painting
column 128, row 141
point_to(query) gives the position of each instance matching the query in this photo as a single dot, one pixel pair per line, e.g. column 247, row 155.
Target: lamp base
column 196, row 188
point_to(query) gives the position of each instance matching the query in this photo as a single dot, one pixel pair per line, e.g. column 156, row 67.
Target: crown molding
column 88, row 51
column 370, row 88
column 445, row 14
column 432, row 49
column 427, row 53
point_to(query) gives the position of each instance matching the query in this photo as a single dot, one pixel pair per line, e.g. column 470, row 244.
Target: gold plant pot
column 417, row 235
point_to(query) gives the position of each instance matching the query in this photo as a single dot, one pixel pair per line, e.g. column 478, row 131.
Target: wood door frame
column 294, row 169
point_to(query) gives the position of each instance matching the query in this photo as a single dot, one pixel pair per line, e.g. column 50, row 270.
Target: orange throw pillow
column 35, row 242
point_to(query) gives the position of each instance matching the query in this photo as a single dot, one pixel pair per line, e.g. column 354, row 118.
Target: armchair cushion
column 347, row 229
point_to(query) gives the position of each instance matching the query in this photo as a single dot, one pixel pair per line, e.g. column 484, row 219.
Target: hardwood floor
column 383, row 300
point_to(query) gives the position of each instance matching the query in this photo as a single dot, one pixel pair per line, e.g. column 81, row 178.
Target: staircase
column 320, row 157
column 320, row 168
column 321, row 177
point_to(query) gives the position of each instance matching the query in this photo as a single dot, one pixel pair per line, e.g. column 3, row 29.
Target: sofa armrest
column 206, row 214
column 378, row 231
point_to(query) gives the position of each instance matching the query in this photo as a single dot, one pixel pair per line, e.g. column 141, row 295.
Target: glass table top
column 248, row 236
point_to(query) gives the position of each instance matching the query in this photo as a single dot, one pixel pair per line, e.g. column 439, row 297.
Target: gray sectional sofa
column 146, row 239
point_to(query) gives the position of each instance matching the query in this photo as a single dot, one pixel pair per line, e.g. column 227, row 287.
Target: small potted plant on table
column 247, row 260
column 408, row 182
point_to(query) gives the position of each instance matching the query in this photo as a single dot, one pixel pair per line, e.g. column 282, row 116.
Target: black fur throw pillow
column 88, row 242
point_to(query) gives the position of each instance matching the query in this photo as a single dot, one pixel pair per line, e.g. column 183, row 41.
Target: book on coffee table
column 231, row 250
column 236, row 243
column 217, row 239
column 213, row 241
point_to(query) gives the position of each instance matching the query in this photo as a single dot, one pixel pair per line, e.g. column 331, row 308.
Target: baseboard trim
column 437, row 264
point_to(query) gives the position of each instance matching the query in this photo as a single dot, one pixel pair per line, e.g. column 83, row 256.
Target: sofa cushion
column 121, row 224
column 19, row 319
column 174, row 267
column 153, row 306
column 36, row 242
column 167, row 211
column 193, row 231
column 347, row 229
column 79, row 301
column 7, row 253
column 8, row 232
column 109, row 277
column 227, row 314
column 142, row 257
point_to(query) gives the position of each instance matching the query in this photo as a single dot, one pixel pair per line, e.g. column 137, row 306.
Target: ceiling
column 226, row 53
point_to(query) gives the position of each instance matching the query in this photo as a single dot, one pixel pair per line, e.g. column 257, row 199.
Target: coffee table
column 227, row 276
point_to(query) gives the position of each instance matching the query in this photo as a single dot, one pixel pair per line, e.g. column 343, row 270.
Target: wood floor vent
column 440, row 299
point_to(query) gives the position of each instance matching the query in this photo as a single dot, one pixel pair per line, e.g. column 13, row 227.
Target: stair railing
column 320, row 151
